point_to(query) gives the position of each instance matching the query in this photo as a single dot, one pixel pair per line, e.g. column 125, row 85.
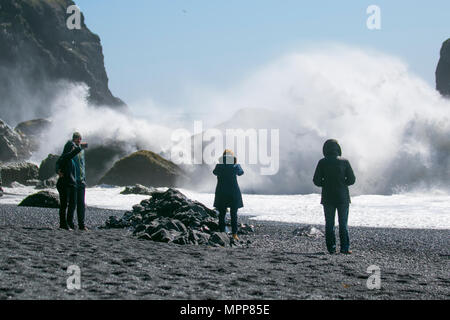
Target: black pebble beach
column 275, row 264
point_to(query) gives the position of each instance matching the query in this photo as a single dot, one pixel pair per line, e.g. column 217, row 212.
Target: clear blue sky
column 156, row 48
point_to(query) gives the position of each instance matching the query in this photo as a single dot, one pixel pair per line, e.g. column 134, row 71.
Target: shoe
column 332, row 252
column 235, row 237
column 84, row 229
column 346, row 252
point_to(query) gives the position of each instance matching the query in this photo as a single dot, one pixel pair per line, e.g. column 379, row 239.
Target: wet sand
column 35, row 255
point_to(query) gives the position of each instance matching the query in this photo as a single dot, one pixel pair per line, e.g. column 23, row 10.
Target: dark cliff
column 38, row 50
column 443, row 70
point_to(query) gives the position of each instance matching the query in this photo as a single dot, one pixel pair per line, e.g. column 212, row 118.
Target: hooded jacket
column 71, row 164
column 334, row 174
column 228, row 194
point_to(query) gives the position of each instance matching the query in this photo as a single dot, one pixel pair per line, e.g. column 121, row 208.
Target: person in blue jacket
column 63, row 168
column 228, row 194
column 334, row 174
column 72, row 182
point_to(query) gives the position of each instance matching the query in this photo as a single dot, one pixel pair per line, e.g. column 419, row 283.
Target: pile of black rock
column 173, row 218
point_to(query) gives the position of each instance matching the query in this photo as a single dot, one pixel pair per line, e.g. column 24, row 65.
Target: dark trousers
column 62, row 190
column 330, row 239
column 233, row 213
column 76, row 199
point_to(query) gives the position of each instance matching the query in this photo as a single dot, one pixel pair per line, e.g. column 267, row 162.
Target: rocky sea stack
column 443, row 70
column 146, row 168
column 173, row 218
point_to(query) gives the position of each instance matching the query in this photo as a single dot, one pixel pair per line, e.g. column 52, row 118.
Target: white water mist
column 392, row 126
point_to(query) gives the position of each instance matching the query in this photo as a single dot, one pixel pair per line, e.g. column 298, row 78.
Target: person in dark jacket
column 334, row 174
column 72, row 183
column 228, row 194
column 63, row 170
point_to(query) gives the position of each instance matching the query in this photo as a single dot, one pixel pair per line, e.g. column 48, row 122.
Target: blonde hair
column 228, row 151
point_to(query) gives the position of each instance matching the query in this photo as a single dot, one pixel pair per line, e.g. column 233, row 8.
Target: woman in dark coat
column 334, row 174
column 228, row 194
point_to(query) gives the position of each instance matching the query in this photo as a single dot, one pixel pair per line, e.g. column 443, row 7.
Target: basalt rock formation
column 21, row 172
column 34, row 130
column 38, row 52
column 146, row 168
column 13, row 145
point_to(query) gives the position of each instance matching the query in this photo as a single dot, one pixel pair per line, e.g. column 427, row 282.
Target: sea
column 427, row 210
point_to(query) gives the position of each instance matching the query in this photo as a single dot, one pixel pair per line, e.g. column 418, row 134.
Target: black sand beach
column 35, row 256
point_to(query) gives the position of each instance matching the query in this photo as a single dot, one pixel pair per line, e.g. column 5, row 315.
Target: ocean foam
column 408, row 210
